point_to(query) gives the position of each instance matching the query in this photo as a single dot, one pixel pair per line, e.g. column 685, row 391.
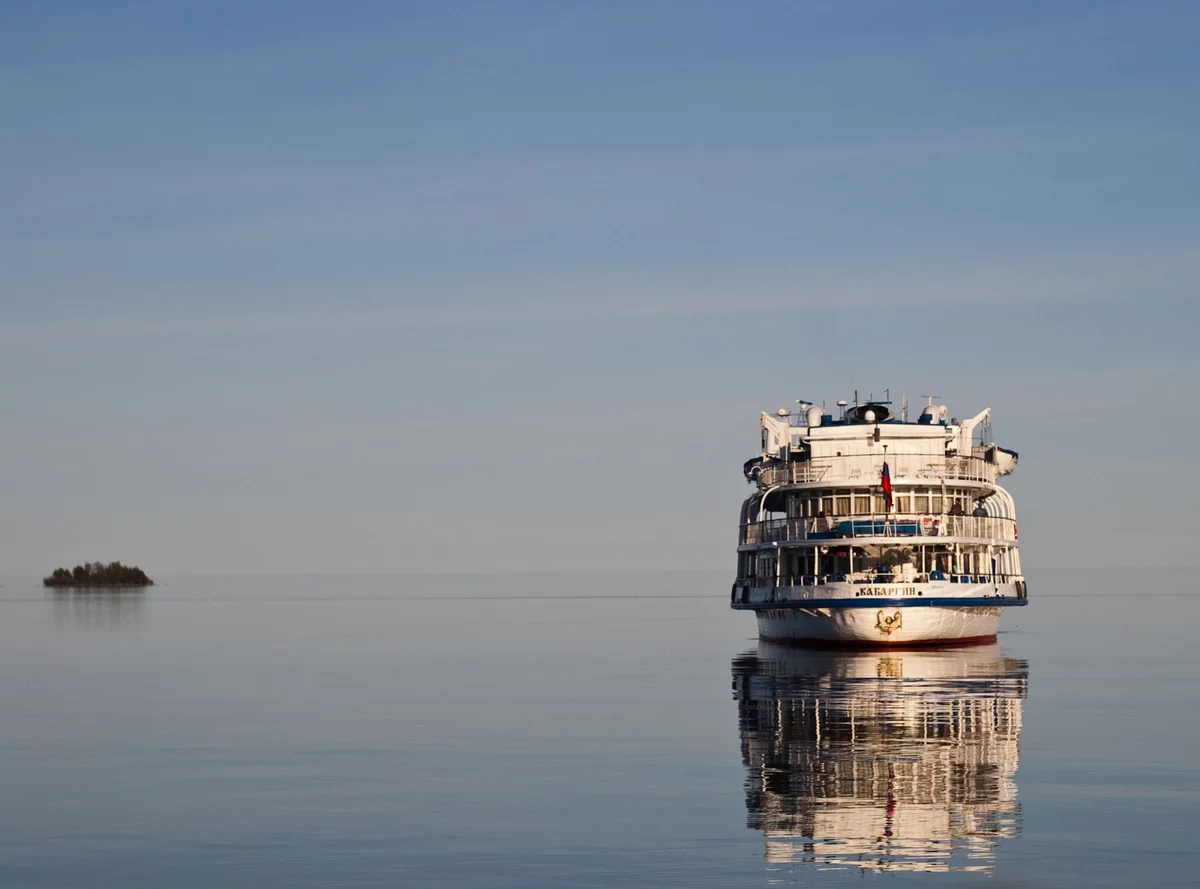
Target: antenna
column 930, row 397
column 903, row 408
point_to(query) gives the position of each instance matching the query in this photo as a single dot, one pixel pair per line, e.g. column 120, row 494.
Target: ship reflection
column 890, row 761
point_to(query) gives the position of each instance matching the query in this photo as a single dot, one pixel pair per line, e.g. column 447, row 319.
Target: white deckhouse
column 865, row 528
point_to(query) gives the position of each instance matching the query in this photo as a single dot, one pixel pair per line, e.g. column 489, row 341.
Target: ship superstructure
column 866, row 528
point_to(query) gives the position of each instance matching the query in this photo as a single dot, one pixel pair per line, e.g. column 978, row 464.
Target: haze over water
column 583, row 730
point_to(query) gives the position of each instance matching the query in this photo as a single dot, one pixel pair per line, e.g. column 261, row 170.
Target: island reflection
column 94, row 609
column 884, row 761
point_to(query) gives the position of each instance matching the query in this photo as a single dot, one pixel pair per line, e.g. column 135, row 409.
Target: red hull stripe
column 869, row 645
column 879, row 602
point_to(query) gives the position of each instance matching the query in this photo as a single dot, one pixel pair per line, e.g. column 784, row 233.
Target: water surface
column 616, row 730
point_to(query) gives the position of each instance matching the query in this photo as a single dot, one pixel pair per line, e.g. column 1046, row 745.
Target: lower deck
column 880, row 560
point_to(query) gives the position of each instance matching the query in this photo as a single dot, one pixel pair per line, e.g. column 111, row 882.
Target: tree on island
column 97, row 574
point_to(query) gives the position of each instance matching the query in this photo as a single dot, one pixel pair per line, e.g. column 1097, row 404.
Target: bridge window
column 862, row 504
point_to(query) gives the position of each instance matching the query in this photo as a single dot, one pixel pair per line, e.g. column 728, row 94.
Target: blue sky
column 503, row 286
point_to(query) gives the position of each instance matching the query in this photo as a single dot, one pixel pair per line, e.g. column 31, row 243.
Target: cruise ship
column 866, row 528
column 885, row 761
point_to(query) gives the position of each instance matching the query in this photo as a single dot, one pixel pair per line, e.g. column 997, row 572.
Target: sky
column 446, row 287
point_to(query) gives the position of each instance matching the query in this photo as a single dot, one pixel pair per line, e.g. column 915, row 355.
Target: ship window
column 936, row 504
column 921, row 503
column 903, row 503
column 827, row 505
column 843, row 506
column 880, row 504
column 862, row 504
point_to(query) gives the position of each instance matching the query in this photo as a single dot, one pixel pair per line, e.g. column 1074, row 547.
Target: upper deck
column 810, row 446
column 916, row 467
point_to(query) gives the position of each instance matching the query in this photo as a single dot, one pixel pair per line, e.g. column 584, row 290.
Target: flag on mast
column 885, row 479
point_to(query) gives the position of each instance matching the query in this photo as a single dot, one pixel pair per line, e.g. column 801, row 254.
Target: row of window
column 971, row 560
column 914, row 501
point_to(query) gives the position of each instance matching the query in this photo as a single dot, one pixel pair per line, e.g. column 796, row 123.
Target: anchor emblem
column 886, row 624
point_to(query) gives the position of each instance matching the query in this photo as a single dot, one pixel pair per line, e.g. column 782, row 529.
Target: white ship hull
column 881, row 614
column 886, row 625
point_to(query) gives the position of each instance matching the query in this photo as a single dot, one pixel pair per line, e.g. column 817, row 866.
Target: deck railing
column 825, row 528
column 865, row 577
column 902, row 467
column 765, row 590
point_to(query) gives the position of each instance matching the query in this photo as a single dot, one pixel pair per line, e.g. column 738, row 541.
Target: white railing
column 794, row 473
column 825, row 528
column 902, row 467
column 873, row 576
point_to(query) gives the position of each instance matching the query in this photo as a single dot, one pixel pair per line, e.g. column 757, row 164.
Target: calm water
column 585, row 731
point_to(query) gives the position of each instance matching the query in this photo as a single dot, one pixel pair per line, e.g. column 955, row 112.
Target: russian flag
column 885, row 479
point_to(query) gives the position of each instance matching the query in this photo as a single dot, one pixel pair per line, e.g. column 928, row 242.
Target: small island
column 97, row 575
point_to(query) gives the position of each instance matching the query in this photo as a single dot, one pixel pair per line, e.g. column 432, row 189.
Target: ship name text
column 889, row 591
